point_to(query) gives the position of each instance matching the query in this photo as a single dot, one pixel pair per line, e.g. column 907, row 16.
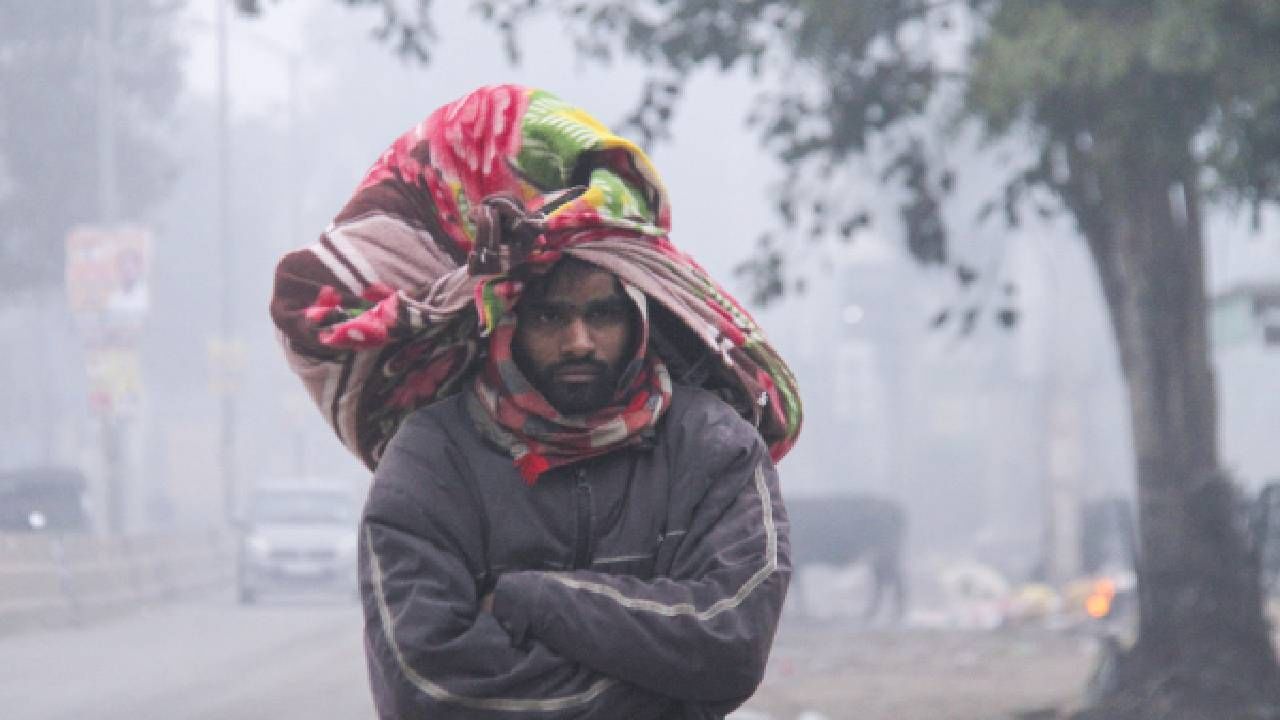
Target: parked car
column 43, row 498
column 298, row 536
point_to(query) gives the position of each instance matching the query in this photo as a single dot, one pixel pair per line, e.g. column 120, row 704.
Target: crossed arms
column 573, row 644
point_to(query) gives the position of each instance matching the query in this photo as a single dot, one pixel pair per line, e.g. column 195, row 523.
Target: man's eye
column 549, row 316
column 611, row 314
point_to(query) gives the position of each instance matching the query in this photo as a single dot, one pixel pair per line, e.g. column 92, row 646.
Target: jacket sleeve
column 703, row 632
column 430, row 651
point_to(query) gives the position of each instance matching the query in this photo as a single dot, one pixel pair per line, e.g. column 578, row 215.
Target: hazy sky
column 716, row 174
column 359, row 93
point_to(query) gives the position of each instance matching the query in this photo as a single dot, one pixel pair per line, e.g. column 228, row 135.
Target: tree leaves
column 861, row 74
column 763, row 272
column 48, row 131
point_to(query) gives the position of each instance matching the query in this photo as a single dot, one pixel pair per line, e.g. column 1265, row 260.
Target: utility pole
column 295, row 154
column 295, row 234
column 108, row 203
column 111, row 425
column 226, row 325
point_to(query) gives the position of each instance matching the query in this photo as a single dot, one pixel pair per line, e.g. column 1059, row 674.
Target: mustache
column 595, row 366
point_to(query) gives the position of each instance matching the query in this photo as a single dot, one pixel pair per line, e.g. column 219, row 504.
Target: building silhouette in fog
column 1245, row 333
column 990, row 439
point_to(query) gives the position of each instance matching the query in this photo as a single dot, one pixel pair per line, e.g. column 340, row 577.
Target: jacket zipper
column 582, row 544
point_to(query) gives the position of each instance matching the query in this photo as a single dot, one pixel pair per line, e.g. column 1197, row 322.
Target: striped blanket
column 391, row 308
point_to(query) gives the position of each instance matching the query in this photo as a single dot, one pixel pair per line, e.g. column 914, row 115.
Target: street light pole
column 108, row 209
column 227, row 444
column 226, row 352
column 292, row 61
column 111, row 426
column 295, row 154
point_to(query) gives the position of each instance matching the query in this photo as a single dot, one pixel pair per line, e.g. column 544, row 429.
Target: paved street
column 211, row 659
column 840, row 671
column 200, row 660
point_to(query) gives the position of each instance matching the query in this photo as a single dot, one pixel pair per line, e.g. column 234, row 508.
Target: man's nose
column 577, row 340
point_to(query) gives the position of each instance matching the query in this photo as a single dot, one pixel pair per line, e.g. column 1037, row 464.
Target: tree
column 1139, row 113
column 48, row 125
column 1142, row 113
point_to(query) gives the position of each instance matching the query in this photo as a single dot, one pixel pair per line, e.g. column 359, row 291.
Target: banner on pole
column 107, row 292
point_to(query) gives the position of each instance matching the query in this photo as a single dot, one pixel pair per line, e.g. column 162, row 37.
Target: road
column 211, row 659
column 841, row 671
column 207, row 659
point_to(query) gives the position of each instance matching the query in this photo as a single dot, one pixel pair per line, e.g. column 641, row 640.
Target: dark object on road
column 846, row 529
column 43, row 498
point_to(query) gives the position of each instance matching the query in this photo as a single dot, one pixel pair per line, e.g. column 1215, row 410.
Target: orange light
column 1098, row 604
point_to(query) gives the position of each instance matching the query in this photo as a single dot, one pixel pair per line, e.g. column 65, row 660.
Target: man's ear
column 636, row 325
column 518, row 353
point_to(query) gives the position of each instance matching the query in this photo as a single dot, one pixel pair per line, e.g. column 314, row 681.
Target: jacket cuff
column 514, row 601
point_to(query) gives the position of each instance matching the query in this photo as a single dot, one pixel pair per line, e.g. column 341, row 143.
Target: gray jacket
column 646, row 583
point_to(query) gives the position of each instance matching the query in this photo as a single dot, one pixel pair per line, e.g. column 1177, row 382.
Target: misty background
column 965, row 430
column 983, row 436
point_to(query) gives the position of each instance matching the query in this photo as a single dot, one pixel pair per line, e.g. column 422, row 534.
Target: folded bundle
column 390, row 309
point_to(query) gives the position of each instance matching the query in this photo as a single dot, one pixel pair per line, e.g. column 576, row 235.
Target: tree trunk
column 1203, row 648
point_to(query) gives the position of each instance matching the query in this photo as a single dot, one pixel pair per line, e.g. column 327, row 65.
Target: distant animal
column 845, row 529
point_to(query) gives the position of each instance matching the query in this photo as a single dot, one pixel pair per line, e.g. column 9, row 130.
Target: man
column 644, row 581
column 574, row 512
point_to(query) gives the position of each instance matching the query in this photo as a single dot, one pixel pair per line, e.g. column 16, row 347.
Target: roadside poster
column 106, row 282
column 106, row 275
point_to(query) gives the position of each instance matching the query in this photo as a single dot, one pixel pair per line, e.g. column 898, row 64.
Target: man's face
column 573, row 339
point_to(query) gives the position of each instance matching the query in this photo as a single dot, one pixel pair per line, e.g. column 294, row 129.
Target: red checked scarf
column 515, row 415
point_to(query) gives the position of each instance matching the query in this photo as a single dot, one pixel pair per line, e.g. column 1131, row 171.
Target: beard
column 576, row 398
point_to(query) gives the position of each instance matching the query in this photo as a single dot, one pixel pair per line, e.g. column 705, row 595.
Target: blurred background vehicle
column 298, row 535
column 48, row 498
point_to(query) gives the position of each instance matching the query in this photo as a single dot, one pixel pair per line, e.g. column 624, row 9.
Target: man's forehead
column 577, row 281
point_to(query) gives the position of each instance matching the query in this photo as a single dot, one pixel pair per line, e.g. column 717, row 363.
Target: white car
column 298, row 537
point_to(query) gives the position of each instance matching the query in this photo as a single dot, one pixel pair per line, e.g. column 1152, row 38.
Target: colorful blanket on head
column 390, row 308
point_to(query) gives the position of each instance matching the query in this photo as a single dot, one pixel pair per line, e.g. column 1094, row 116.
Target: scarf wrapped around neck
column 511, row 412
column 402, row 300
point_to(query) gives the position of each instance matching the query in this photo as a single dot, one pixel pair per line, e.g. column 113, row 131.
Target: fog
column 990, row 441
